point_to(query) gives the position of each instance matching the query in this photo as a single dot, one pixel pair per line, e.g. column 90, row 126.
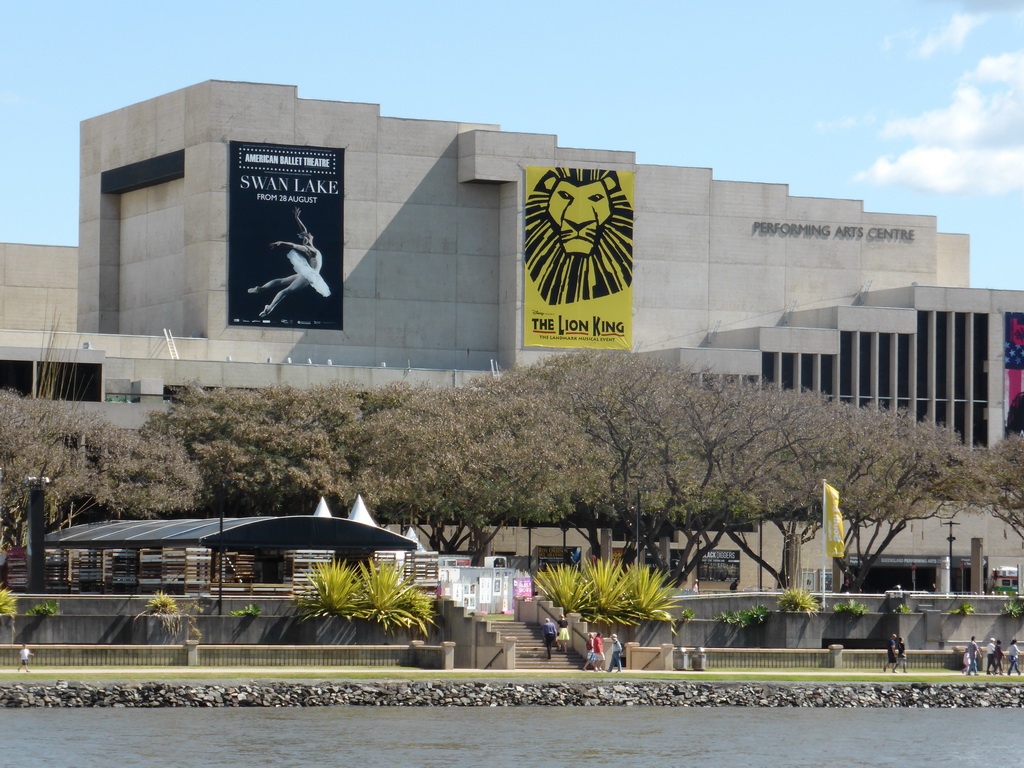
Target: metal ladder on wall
column 172, row 349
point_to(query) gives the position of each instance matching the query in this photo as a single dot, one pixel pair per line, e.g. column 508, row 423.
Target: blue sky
column 913, row 106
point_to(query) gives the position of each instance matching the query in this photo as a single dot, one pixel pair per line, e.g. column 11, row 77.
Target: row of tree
column 588, row 441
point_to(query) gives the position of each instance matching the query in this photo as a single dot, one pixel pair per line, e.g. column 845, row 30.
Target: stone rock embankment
column 512, row 694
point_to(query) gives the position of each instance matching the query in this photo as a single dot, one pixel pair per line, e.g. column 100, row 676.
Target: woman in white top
column 1014, row 653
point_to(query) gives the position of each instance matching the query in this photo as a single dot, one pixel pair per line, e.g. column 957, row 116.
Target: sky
column 912, row 106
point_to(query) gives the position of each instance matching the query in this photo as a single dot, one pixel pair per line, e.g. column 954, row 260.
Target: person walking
column 991, row 654
column 891, row 653
column 998, row 656
column 1014, row 654
column 901, row 650
column 616, row 661
column 589, row 664
column 972, row 657
column 563, row 633
column 549, row 632
column 598, row 652
column 24, row 655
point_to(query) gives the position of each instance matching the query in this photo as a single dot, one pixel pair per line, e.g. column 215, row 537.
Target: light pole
column 951, row 538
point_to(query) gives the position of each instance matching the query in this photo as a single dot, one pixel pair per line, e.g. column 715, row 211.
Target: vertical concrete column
column 836, row 653
column 508, row 646
column 192, row 653
column 873, row 351
column 977, row 565
column 630, row 661
column 667, row 650
column 606, row 544
column 855, row 368
column 944, row 574
column 447, row 655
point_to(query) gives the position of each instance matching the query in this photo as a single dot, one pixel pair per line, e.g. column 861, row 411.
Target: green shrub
column 798, row 601
column 901, row 608
column 850, row 608
column 686, row 615
column 250, row 610
column 755, row 615
column 728, row 617
column 964, row 609
column 750, row 617
column 8, row 603
column 171, row 615
column 46, row 608
column 1014, row 609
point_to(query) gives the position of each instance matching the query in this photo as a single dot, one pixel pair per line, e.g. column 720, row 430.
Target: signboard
column 1013, row 371
column 578, row 254
column 551, row 556
column 285, row 236
column 522, row 587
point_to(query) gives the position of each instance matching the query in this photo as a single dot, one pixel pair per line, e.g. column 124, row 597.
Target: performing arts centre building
column 237, row 235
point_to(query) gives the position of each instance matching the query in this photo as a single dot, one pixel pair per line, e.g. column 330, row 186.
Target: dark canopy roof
column 295, row 532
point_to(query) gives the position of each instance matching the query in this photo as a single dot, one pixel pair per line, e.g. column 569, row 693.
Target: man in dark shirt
column 549, row 631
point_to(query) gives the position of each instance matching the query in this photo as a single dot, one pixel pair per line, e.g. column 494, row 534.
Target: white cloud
column 975, row 145
column 951, row 37
column 946, row 171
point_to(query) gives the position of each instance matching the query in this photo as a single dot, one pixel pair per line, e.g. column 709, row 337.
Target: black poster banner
column 285, row 236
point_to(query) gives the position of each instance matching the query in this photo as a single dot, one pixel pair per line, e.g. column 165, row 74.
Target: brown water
column 638, row 737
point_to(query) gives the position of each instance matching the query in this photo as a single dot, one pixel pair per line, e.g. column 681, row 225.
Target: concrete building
column 417, row 259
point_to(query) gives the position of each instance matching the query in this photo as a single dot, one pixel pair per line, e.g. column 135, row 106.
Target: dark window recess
column 788, row 363
column 16, row 375
column 941, row 412
column 145, row 173
column 942, row 389
column 960, row 362
column 903, row 372
column 768, row 366
column 69, row 381
column 846, row 364
column 959, row 418
column 923, row 329
column 807, row 371
column 922, row 410
column 828, row 363
column 980, row 436
column 978, row 364
column 867, row 352
column 885, row 365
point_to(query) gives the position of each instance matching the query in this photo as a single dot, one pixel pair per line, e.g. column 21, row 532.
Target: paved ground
column 209, row 675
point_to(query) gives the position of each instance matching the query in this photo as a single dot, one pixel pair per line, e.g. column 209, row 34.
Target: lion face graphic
column 579, row 235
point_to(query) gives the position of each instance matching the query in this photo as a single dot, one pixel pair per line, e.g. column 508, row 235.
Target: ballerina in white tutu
column 306, row 260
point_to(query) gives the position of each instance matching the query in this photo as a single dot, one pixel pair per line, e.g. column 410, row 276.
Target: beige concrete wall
column 38, row 287
column 433, row 234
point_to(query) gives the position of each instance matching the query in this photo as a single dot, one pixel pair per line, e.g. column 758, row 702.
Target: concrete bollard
column 448, row 655
column 837, row 656
column 192, row 653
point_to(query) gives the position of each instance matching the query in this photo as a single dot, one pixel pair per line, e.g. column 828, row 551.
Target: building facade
column 235, row 234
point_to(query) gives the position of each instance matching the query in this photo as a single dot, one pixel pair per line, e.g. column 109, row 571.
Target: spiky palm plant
column 798, row 601
column 333, row 591
column 651, row 593
column 565, row 587
column 8, row 603
column 391, row 599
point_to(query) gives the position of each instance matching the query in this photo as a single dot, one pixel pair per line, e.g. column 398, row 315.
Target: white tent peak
column 359, row 514
column 322, row 510
column 410, row 533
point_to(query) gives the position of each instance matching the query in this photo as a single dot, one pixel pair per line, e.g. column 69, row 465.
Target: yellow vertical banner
column 578, row 253
column 834, row 533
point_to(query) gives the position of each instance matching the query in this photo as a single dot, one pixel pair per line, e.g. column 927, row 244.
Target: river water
column 510, row 738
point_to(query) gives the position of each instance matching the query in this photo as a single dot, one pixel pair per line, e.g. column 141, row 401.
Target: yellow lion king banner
column 578, row 254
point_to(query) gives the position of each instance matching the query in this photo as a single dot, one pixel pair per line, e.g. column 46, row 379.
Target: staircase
column 530, row 651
